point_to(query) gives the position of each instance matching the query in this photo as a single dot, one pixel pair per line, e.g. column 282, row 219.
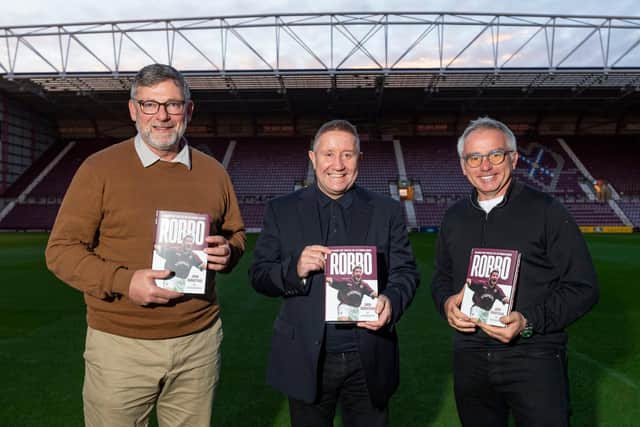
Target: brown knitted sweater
column 105, row 229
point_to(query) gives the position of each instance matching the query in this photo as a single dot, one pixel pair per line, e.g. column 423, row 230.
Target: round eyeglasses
column 495, row 157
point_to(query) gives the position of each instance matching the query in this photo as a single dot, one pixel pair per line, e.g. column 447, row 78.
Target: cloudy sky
column 24, row 12
column 40, row 12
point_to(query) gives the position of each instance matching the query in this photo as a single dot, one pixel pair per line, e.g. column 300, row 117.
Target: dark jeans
column 532, row 383
column 343, row 381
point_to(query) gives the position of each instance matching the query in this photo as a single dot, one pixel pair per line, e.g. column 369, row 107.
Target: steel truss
column 333, row 50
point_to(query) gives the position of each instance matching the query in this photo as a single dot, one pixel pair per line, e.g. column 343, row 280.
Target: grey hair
column 487, row 123
column 153, row 74
column 339, row 125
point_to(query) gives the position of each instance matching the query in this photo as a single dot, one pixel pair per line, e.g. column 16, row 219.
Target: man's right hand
column 312, row 259
column 457, row 319
column 144, row 291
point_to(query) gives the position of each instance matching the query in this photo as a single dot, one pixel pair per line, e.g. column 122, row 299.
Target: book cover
column 351, row 284
column 179, row 247
column 491, row 284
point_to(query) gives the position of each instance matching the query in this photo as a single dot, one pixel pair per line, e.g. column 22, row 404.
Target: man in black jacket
column 319, row 365
column 521, row 367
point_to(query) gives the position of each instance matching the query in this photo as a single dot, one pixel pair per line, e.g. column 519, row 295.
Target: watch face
column 526, row 332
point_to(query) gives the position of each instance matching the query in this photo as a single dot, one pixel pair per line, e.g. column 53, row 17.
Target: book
column 351, row 284
column 179, row 247
column 490, row 285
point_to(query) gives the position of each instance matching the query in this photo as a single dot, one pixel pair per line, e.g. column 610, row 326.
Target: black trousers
column 342, row 381
column 531, row 383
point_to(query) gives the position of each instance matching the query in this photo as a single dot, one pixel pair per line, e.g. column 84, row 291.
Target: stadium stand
column 31, row 216
column 260, row 174
column 430, row 214
column 252, row 214
column 631, row 209
column 378, row 166
column 542, row 164
column 614, row 159
column 59, row 178
column 25, row 137
column 434, row 164
column 268, row 167
column 592, row 214
column 262, row 168
column 215, row 147
column 38, row 208
column 27, row 177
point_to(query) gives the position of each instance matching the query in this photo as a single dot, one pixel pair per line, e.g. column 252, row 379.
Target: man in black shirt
column 520, row 367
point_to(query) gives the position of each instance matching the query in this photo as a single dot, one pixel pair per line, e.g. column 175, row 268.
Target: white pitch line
column 610, row 371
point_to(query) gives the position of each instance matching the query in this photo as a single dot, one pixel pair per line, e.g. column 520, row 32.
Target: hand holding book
column 384, row 311
column 143, row 290
column 312, row 259
column 456, row 318
column 218, row 253
column 514, row 324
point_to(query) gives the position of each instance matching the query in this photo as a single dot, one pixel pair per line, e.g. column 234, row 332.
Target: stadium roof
column 395, row 60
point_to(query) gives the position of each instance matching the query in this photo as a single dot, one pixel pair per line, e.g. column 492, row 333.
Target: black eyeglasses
column 495, row 157
column 152, row 107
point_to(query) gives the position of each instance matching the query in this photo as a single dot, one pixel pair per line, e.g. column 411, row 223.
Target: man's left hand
column 515, row 324
column 218, row 253
column 383, row 308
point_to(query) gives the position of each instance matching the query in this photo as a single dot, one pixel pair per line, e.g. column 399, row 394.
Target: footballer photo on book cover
column 490, row 284
column 351, row 284
column 179, row 247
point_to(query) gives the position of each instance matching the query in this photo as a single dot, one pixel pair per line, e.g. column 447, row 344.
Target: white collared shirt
column 148, row 157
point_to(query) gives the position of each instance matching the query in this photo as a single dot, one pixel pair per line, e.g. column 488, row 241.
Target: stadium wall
column 24, row 137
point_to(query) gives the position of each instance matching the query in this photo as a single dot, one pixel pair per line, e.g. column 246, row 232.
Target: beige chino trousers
column 125, row 377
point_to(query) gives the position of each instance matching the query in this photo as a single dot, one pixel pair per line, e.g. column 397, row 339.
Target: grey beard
column 161, row 146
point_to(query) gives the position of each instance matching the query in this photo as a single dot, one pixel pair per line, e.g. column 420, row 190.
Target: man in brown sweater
column 146, row 345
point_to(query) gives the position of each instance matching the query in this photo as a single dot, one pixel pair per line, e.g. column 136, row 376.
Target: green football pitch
column 42, row 326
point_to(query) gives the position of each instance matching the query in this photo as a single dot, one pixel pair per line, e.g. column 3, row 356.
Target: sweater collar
column 148, row 157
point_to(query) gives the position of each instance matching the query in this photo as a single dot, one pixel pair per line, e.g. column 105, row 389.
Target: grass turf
column 42, row 325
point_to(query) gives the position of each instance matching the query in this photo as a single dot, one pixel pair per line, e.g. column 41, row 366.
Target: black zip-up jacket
column 557, row 282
